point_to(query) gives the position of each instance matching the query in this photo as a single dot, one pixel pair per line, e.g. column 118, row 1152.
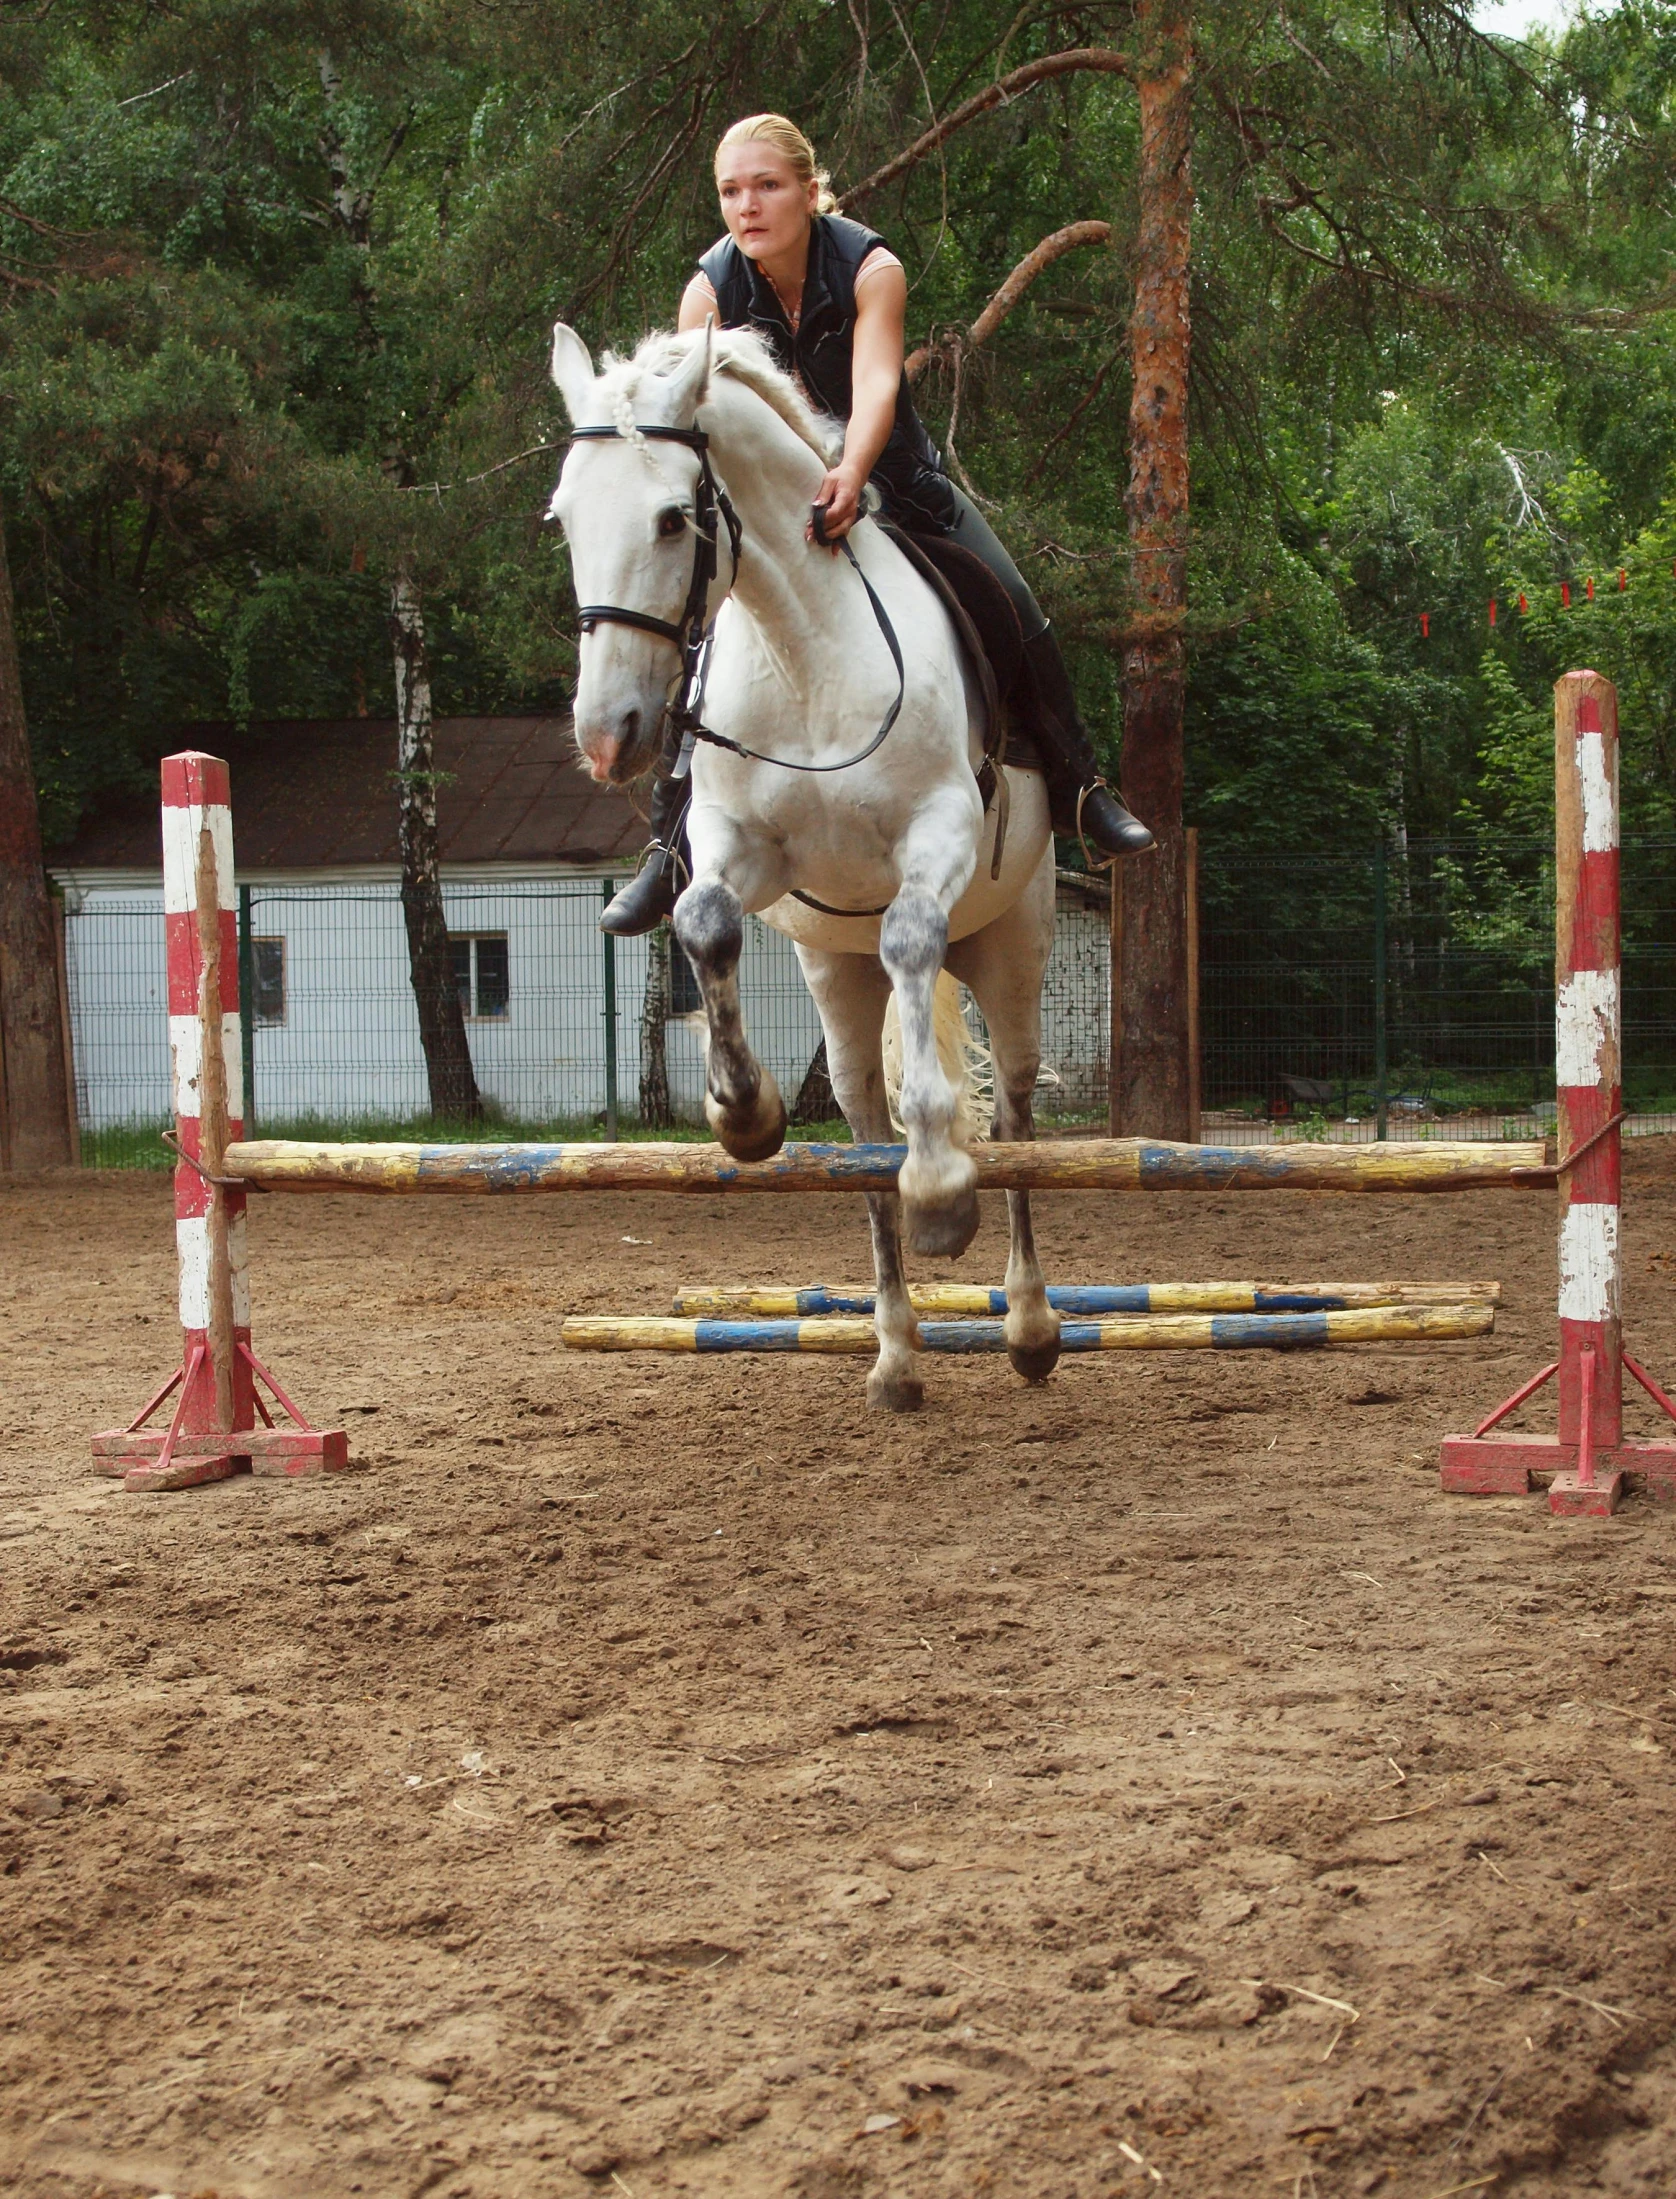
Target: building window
column 267, row 980
column 483, row 974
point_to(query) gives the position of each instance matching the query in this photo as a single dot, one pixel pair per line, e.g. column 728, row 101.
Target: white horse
column 801, row 672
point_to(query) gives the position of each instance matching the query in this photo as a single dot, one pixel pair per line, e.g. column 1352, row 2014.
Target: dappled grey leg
column 894, row 1384
column 742, row 1102
column 851, row 991
column 1003, row 966
column 938, row 1182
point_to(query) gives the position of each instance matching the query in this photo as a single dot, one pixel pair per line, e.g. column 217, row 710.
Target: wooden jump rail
column 1055, row 1164
column 955, row 1301
column 1143, row 1332
column 221, row 1424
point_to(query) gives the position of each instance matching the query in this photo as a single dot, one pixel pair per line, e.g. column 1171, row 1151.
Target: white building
column 530, row 850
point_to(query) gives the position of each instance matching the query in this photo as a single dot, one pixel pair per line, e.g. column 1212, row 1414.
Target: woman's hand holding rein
column 839, row 498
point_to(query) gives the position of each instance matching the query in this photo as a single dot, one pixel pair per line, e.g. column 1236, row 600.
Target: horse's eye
column 671, row 522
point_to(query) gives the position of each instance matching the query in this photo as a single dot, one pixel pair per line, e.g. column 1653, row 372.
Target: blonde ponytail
column 785, row 137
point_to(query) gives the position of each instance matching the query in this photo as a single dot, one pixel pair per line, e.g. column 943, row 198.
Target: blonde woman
column 830, row 299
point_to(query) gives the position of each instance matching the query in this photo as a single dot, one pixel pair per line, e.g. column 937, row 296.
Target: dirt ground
column 660, row 1775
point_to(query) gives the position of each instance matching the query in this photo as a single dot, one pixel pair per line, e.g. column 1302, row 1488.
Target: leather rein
column 695, row 630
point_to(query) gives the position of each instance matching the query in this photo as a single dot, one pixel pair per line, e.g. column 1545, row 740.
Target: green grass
column 126, row 1145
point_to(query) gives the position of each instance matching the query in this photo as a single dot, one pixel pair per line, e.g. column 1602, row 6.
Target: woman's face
column 766, row 209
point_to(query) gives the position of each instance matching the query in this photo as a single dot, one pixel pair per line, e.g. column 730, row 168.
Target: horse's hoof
column 1035, row 1362
column 944, row 1231
column 902, row 1393
column 754, row 1136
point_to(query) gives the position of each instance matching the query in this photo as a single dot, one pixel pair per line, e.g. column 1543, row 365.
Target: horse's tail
column 966, row 1061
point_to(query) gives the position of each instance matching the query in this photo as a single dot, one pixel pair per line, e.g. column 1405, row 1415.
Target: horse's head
column 626, row 506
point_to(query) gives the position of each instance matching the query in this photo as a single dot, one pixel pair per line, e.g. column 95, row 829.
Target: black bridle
column 692, row 633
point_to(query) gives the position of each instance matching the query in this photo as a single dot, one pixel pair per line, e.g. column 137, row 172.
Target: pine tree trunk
column 35, row 1102
column 442, row 1027
column 1151, row 1071
column 655, row 1110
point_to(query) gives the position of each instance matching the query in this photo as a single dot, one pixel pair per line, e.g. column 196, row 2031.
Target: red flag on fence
column 1425, row 626
column 1523, row 605
column 1589, row 584
column 1492, row 610
column 1623, row 578
column 1565, row 595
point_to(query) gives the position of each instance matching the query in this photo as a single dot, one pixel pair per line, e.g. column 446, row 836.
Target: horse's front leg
column 742, row 1102
column 938, row 1182
column 1004, row 964
column 851, row 991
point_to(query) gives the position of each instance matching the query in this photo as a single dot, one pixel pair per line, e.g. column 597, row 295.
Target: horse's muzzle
column 615, row 746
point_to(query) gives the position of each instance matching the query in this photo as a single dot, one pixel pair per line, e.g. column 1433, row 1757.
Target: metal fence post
column 247, row 1011
column 1195, row 1051
column 610, row 975
column 1380, row 1066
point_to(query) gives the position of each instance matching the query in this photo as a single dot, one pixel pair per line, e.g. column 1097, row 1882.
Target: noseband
column 692, row 633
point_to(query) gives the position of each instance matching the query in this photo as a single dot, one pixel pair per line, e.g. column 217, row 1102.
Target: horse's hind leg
column 851, row 991
column 742, row 1102
column 938, row 1181
column 1003, row 965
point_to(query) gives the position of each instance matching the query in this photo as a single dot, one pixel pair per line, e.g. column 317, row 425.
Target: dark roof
column 309, row 793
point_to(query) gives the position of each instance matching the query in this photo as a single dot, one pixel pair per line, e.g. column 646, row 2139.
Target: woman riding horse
column 830, row 298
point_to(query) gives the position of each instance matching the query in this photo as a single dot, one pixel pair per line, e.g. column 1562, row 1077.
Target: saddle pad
column 985, row 602
column 967, row 585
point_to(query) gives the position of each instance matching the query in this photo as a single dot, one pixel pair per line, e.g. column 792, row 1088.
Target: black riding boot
column 649, row 896
column 1082, row 804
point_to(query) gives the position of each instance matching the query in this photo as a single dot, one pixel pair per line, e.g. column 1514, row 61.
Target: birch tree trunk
column 1151, row 1070
column 35, row 1101
column 442, row 1027
column 655, row 1110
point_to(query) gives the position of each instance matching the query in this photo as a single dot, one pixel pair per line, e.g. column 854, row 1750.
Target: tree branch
column 1102, row 59
column 436, row 488
column 1034, row 263
column 13, row 212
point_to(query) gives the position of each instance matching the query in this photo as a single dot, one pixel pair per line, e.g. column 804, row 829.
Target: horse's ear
column 687, row 385
column 573, row 370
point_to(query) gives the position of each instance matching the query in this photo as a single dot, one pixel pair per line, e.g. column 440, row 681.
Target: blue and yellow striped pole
column 958, row 1300
column 851, row 1334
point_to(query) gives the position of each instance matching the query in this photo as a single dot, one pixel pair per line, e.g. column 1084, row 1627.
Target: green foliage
column 300, row 261
column 1287, row 723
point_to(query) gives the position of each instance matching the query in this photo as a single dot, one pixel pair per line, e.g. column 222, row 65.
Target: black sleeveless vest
column 909, row 475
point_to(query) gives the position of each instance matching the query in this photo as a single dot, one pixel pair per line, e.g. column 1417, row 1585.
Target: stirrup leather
column 665, row 850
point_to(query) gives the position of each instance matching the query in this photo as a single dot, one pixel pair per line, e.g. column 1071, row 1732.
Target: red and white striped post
column 1588, row 1463
column 213, row 1430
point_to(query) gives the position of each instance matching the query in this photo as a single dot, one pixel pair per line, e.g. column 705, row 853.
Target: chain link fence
column 1413, row 988
column 1405, row 994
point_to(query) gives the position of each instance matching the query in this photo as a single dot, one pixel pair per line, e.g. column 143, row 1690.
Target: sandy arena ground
column 656, row 1775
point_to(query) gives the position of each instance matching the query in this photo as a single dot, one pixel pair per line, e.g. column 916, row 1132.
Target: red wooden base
column 1514, row 1465
column 136, row 1458
column 198, row 1446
